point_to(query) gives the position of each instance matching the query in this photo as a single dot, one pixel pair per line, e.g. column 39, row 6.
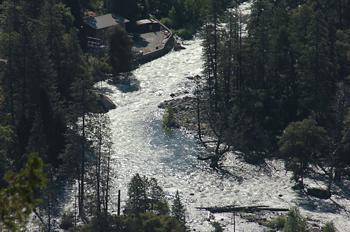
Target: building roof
column 104, row 21
column 146, row 21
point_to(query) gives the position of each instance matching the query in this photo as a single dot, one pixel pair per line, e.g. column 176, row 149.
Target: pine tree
column 178, row 209
column 19, row 198
column 120, row 55
column 137, row 192
column 302, row 142
column 156, row 196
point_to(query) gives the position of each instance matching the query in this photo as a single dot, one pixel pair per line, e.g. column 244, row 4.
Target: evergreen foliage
column 295, row 222
column 178, row 209
column 146, row 210
column 302, row 142
column 47, row 94
column 169, row 120
column 289, row 64
column 145, row 195
column 18, row 199
column 120, row 51
column 329, row 227
column 217, row 227
column 277, row 223
column 278, row 85
column 144, row 222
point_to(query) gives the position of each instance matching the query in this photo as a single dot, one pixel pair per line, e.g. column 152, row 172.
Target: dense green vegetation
column 295, row 222
column 277, row 88
column 302, row 142
column 48, row 102
column 18, row 199
column 281, row 83
column 169, row 119
column 48, row 106
column 146, row 210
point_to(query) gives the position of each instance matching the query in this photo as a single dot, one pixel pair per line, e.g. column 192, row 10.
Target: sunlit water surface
column 141, row 146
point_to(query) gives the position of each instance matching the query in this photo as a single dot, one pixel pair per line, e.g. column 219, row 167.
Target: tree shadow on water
column 182, row 152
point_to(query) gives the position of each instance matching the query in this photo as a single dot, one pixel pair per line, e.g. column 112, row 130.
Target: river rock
column 178, row 46
column 103, row 104
column 197, row 77
column 319, row 193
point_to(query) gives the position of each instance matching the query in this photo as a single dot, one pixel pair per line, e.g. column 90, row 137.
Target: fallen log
column 245, row 209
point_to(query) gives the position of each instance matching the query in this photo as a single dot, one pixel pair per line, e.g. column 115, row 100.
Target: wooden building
column 98, row 28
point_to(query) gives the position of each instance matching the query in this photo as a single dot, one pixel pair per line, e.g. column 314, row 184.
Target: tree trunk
column 330, row 179
column 82, row 169
column 337, row 175
column 98, row 167
column 199, row 128
column 107, row 185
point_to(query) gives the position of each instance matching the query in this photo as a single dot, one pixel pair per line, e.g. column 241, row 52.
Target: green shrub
column 169, row 120
column 146, row 222
column 217, row 227
column 329, row 227
column 167, row 22
column 67, row 221
column 277, row 222
column 294, row 222
column 185, row 33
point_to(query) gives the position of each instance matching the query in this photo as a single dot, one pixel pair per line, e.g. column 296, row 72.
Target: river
column 141, row 146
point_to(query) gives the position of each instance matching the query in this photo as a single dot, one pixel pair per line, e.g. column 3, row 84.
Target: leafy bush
column 167, row 22
column 67, row 221
column 295, row 222
column 169, row 120
column 329, row 227
column 185, row 33
column 277, row 222
column 217, row 227
column 146, row 222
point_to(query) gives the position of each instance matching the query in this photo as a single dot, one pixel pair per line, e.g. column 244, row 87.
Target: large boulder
column 178, row 46
column 319, row 193
column 102, row 104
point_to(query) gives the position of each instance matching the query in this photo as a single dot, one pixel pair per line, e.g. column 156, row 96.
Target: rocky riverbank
column 185, row 106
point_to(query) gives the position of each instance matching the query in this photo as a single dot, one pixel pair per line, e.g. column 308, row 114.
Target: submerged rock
column 319, row 193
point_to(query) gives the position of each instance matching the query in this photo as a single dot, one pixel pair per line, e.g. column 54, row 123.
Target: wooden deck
column 152, row 45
